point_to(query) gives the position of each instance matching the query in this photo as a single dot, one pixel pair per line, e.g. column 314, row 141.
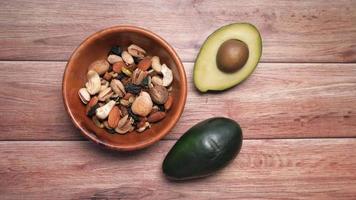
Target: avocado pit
column 232, row 55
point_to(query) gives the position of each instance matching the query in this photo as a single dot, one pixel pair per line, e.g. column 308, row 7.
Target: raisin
column 137, row 60
column 112, row 131
column 144, row 82
column 92, row 110
column 161, row 107
column 120, row 76
column 110, row 68
column 134, row 89
column 117, row 50
column 134, row 117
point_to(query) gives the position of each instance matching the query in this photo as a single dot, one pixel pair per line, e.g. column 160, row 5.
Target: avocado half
column 207, row 75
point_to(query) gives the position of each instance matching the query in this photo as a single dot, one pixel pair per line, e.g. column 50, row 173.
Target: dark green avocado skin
column 203, row 149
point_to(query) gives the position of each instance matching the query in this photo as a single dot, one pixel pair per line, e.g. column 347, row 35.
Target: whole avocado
column 203, row 149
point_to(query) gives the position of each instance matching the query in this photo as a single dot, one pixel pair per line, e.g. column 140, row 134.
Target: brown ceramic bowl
column 96, row 47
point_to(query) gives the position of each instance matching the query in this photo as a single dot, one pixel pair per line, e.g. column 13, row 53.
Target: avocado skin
column 203, row 149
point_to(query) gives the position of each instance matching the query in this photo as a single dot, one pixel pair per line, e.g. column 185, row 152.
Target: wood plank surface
column 268, row 169
column 278, row 101
column 292, row 31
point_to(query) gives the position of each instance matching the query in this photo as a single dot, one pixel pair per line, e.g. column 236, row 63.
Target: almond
column 92, row 106
column 117, row 67
column 168, row 103
column 157, row 116
column 144, row 64
column 114, row 117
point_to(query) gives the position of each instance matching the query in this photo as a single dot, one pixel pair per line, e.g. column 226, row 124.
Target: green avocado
column 219, row 65
column 203, row 149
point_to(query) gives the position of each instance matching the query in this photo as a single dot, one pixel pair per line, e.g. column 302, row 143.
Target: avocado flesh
column 207, row 75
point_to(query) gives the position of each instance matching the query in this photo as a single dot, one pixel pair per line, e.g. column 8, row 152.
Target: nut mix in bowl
column 128, row 91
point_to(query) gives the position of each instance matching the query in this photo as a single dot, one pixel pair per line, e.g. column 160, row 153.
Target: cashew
column 156, row 65
column 93, row 85
column 128, row 59
column 84, row 95
column 167, row 75
column 104, row 111
column 136, row 51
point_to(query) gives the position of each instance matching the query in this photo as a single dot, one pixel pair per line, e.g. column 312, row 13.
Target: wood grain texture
column 292, row 31
column 269, row 169
column 277, row 101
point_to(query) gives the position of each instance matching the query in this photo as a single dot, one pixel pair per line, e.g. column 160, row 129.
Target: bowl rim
column 181, row 71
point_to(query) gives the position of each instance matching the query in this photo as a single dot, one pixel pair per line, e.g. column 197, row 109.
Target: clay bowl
column 96, row 47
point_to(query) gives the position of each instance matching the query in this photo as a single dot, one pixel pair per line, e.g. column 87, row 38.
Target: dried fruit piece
column 167, row 75
column 104, row 111
column 120, row 76
column 84, row 95
column 117, row 50
column 157, row 116
column 159, row 94
column 117, row 67
column 93, row 85
column 136, row 51
column 168, row 103
column 114, row 117
column 134, row 89
column 142, row 105
column 156, row 65
column 112, row 58
column 126, row 71
column 128, row 59
column 100, row 66
column 145, row 64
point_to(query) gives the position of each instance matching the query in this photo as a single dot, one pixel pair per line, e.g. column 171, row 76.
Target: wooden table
column 298, row 110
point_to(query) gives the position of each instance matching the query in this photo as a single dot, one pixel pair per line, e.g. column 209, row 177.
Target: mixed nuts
column 127, row 91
